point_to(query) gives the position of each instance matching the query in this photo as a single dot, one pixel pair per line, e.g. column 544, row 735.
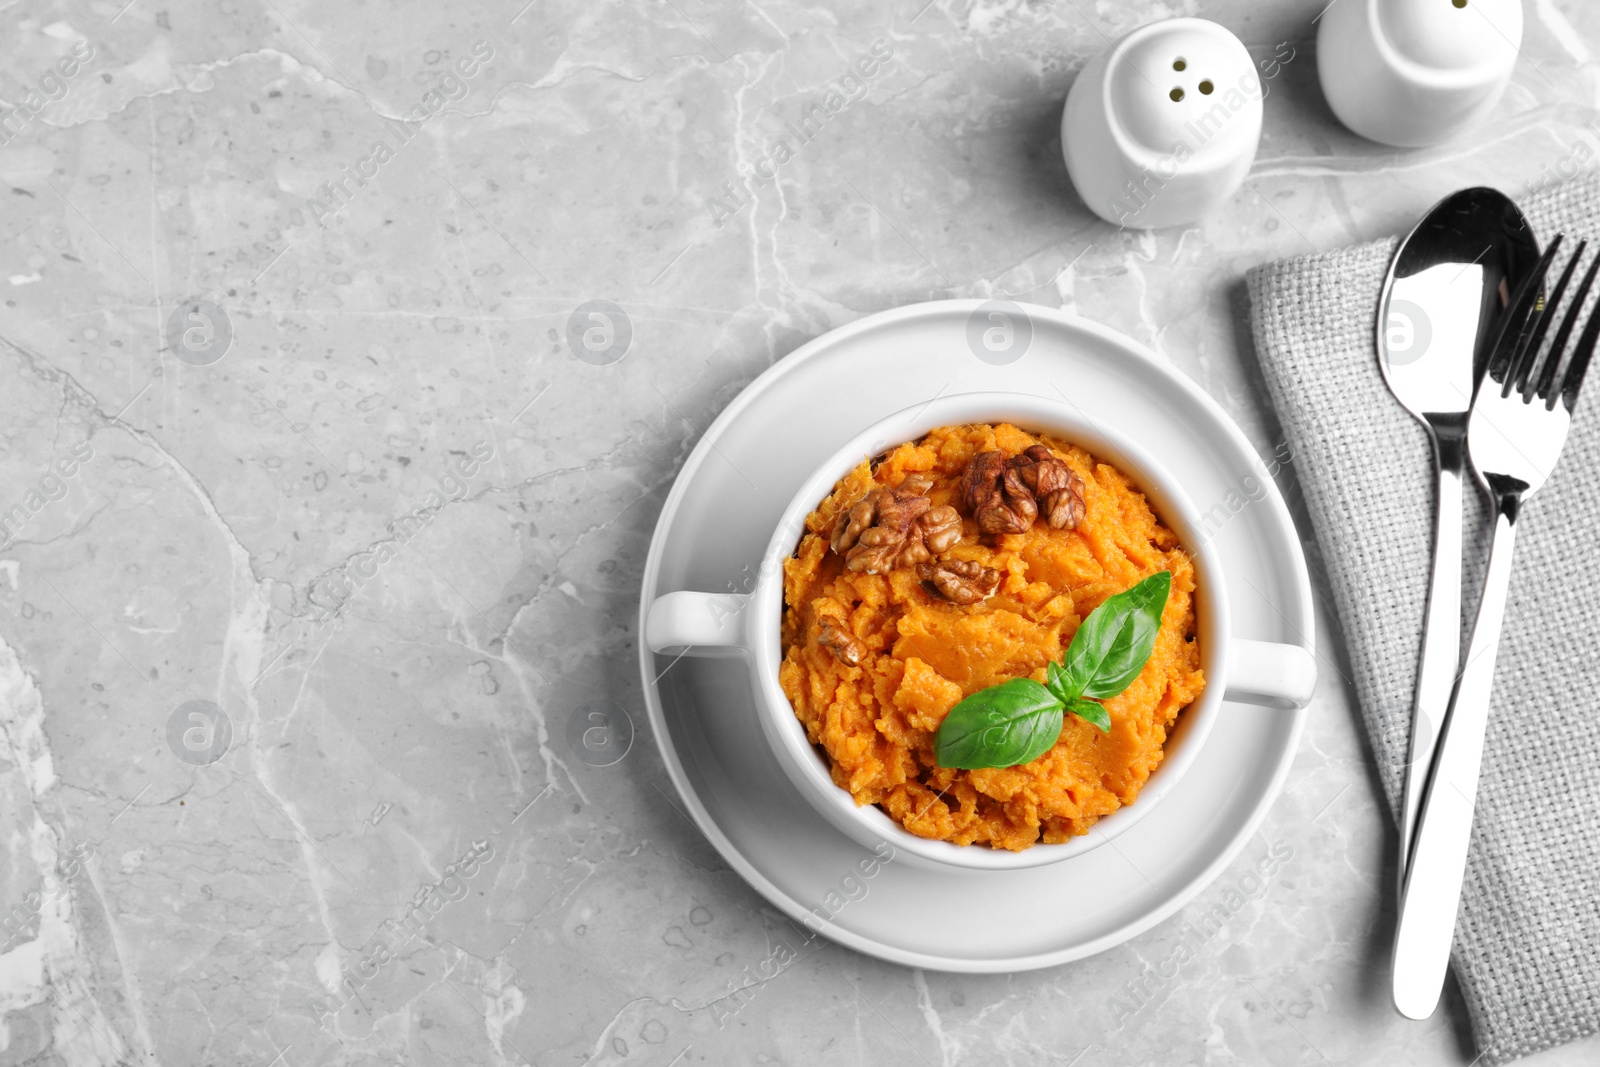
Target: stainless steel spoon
column 1447, row 284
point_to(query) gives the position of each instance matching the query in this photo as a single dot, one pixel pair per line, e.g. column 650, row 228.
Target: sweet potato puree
column 920, row 654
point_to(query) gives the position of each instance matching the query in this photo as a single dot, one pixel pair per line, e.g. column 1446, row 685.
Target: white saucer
column 711, row 535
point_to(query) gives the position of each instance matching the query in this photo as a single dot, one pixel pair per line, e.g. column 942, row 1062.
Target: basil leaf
column 1018, row 721
column 1092, row 713
column 1114, row 642
column 1057, row 682
column 1001, row 726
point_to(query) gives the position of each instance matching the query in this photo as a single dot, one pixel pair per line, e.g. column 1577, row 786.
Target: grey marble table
column 321, row 545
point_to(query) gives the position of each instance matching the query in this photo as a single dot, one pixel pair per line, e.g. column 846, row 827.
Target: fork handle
column 1441, row 636
column 1432, row 890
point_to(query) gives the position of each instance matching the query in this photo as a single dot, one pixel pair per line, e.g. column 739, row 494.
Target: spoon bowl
column 1446, row 285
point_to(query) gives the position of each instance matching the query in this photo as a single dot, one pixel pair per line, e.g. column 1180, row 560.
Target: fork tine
column 1515, row 320
column 1580, row 361
column 1531, row 359
column 1569, row 322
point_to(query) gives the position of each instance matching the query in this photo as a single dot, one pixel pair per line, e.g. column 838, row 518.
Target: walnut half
column 1005, row 496
column 896, row 527
column 1000, row 505
column 1057, row 489
column 941, row 528
column 960, row 581
column 846, row 648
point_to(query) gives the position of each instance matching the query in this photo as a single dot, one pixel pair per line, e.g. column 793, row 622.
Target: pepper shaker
column 1410, row 73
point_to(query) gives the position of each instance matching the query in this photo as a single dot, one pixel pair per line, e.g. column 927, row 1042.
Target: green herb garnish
column 1019, row 720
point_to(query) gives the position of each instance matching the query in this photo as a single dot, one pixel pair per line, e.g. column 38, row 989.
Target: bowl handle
column 697, row 624
column 1269, row 674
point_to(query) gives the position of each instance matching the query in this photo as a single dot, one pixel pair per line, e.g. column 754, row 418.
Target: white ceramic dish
column 702, row 711
column 709, row 623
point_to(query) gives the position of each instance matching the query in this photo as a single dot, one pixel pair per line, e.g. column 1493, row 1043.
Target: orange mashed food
column 923, row 654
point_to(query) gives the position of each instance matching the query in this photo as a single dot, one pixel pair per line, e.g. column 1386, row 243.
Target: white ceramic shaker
column 1416, row 72
column 1163, row 126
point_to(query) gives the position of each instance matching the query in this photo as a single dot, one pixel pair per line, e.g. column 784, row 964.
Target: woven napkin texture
column 1527, row 944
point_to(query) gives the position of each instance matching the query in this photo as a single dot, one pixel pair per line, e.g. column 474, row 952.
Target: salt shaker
column 1416, row 72
column 1163, row 126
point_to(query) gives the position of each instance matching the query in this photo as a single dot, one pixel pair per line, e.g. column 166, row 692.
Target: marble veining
column 326, row 498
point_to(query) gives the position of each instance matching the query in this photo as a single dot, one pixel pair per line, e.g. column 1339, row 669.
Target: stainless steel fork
column 1515, row 434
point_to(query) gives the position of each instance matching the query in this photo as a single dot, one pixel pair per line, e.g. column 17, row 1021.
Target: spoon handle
column 1441, row 639
column 1432, row 892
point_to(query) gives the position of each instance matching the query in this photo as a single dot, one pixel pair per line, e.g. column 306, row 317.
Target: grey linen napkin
column 1527, row 945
